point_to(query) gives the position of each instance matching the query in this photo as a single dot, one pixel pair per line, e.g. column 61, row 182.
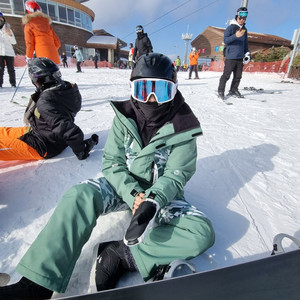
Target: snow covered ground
column 247, row 181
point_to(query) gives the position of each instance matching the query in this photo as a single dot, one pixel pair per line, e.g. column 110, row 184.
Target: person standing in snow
column 142, row 43
column 49, row 117
column 79, row 58
column 40, row 38
column 193, row 57
column 149, row 156
column 130, row 55
column 236, row 41
column 7, row 53
column 64, row 60
column 95, row 59
column 177, row 63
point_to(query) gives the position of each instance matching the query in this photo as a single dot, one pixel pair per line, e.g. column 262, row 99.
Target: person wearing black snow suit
column 49, row 117
column 142, row 43
column 236, row 41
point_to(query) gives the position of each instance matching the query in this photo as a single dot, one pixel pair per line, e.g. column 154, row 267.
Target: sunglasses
column 163, row 90
column 243, row 14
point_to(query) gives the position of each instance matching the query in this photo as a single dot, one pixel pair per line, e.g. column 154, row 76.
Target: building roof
column 105, row 40
column 253, row 37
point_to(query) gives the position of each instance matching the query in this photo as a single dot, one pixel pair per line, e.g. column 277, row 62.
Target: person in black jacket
column 49, row 117
column 236, row 41
column 142, row 43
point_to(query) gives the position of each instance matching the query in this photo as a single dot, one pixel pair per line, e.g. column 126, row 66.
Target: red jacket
column 40, row 36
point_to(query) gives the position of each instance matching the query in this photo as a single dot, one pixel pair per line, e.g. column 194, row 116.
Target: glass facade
column 57, row 11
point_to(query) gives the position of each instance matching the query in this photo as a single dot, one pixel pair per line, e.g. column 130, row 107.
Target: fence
column 275, row 66
column 21, row 62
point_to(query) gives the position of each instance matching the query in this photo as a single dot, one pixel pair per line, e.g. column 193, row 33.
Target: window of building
column 43, row 7
column 62, row 12
column 5, row 7
column 71, row 18
column 19, row 7
column 52, row 11
column 77, row 18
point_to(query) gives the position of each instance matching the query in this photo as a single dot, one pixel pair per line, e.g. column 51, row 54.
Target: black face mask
column 2, row 22
column 153, row 111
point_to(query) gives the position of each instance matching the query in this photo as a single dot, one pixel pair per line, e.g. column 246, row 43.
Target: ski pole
column 18, row 84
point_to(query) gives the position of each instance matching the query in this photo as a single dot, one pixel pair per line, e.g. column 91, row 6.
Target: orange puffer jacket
column 193, row 58
column 40, row 36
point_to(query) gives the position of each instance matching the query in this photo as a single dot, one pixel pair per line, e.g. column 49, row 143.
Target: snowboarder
column 236, row 41
column 49, row 117
column 7, row 53
column 142, row 43
column 79, row 58
column 149, row 156
column 193, row 57
column 40, row 38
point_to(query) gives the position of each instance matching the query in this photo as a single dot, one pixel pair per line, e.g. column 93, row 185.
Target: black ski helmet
column 154, row 65
column 43, row 72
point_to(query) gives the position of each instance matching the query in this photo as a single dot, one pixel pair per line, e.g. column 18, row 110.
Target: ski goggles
column 243, row 14
column 163, row 90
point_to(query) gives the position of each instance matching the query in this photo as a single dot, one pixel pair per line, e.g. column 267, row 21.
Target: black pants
column 235, row 66
column 78, row 66
column 193, row 68
column 9, row 60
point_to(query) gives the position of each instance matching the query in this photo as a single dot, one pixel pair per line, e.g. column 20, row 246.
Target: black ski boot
column 235, row 94
column 141, row 222
column 113, row 260
column 221, row 95
column 25, row 289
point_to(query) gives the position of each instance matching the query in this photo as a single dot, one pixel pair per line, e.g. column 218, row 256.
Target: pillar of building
column 110, row 55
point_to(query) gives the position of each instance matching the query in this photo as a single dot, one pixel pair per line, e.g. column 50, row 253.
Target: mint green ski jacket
column 162, row 168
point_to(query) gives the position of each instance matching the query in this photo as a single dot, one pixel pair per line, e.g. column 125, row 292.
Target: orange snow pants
column 11, row 148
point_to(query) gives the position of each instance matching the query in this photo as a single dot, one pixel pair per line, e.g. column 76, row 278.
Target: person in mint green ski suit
column 150, row 154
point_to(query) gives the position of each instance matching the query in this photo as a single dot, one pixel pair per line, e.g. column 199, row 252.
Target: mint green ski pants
column 182, row 233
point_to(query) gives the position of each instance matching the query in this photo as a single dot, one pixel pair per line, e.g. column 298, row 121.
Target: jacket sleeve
column 149, row 46
column 56, row 39
column 114, row 165
column 29, row 40
column 180, row 167
column 61, row 126
column 229, row 35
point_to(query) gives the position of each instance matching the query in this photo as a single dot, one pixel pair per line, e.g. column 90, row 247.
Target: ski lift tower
column 186, row 37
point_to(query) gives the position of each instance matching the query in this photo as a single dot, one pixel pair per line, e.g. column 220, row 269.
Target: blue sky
column 166, row 20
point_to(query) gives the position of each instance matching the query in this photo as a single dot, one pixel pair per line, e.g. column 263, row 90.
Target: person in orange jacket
column 39, row 35
column 193, row 57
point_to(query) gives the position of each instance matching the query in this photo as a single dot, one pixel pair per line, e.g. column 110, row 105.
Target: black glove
column 89, row 145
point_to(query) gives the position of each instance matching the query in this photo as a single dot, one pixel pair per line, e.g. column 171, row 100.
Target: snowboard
column 273, row 278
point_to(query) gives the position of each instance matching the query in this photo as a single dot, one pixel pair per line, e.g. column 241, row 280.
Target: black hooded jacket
column 142, row 45
column 52, row 123
column 177, row 112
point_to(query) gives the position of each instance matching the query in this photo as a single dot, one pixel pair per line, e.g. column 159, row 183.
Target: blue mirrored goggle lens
column 164, row 90
column 243, row 14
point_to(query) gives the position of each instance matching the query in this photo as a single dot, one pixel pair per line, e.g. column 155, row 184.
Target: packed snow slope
column 247, row 179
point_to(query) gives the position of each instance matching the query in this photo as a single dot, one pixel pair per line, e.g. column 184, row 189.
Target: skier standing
column 236, row 41
column 130, row 55
column 193, row 57
column 40, row 38
column 64, row 60
column 142, row 43
column 79, row 58
column 49, row 117
column 177, row 63
column 7, row 53
column 149, row 156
